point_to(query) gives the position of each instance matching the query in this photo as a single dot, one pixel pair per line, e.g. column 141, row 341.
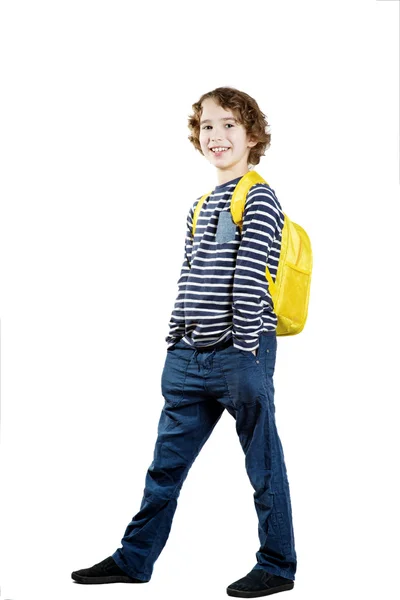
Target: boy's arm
column 177, row 321
column 262, row 221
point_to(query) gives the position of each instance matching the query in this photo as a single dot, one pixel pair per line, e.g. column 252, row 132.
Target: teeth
column 219, row 149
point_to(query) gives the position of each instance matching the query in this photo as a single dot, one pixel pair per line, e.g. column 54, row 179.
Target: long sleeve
column 262, row 223
column 177, row 321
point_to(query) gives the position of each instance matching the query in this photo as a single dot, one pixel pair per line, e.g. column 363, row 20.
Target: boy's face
column 222, row 130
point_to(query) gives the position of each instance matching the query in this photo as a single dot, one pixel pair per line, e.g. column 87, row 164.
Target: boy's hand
column 254, row 352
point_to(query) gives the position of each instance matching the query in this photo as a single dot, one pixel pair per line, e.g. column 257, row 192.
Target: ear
column 251, row 144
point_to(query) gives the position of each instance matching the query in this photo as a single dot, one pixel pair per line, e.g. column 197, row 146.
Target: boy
column 221, row 352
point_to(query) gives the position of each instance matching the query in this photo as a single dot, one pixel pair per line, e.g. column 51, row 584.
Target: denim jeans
column 197, row 385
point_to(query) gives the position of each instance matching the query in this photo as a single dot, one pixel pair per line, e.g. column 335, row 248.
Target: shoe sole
column 109, row 579
column 243, row 594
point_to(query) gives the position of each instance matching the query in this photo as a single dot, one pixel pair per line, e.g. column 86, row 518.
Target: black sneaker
column 259, row 583
column 106, row 571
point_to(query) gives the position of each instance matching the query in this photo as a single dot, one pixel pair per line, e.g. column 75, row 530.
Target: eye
column 231, row 125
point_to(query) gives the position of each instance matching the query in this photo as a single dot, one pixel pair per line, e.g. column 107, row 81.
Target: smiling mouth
column 219, row 150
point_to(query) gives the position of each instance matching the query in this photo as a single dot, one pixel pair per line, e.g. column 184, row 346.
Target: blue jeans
column 197, row 386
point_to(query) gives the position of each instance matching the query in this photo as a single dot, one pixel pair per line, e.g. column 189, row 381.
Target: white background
column 97, row 177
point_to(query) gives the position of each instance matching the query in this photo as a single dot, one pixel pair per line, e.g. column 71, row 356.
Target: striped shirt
column 223, row 291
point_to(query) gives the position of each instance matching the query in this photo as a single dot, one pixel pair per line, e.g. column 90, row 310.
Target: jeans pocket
column 249, row 354
column 174, row 375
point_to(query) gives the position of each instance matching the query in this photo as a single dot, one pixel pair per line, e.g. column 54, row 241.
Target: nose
column 216, row 134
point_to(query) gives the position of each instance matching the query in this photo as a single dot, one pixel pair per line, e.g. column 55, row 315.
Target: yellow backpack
column 291, row 290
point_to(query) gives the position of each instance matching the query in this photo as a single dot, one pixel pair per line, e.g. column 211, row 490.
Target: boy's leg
column 185, row 424
column 250, row 382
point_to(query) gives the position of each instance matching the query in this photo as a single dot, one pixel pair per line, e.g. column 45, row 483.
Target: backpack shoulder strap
column 240, row 194
column 197, row 210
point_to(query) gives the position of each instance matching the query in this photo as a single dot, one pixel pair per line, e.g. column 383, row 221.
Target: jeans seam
column 225, row 380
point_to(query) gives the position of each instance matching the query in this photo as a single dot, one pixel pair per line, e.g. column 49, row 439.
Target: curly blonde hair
column 245, row 110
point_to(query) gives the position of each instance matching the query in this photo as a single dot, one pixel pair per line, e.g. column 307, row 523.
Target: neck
column 224, row 176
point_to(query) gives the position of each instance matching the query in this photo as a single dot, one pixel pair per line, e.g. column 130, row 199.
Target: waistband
column 219, row 345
